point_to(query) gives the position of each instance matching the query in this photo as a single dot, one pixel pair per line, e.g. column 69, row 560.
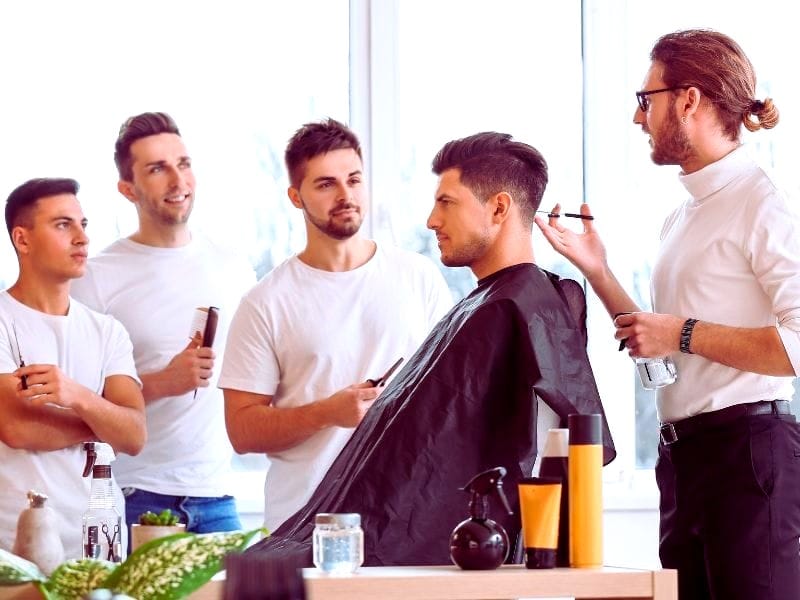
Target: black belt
column 672, row 432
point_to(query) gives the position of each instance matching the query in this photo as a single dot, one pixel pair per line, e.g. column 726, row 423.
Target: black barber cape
column 464, row 403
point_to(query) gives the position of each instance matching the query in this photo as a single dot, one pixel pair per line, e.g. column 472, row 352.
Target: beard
column 162, row 213
column 332, row 226
column 467, row 254
column 671, row 146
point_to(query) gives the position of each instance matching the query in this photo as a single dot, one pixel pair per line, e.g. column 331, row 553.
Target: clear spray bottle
column 102, row 522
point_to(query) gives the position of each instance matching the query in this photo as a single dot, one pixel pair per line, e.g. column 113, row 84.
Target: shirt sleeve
column 774, row 252
column 250, row 362
column 119, row 358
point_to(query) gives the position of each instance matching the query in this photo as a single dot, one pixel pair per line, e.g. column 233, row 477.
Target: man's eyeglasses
column 644, row 101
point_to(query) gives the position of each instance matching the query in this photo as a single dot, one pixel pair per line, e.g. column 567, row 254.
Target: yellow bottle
column 585, row 466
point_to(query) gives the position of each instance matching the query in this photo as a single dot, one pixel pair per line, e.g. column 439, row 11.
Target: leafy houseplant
column 152, row 526
column 166, row 518
column 167, row 568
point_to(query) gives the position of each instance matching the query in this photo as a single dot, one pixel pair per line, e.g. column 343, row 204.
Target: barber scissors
column 113, row 544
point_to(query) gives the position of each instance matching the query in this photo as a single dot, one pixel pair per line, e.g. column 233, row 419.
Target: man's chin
column 452, row 261
column 343, row 233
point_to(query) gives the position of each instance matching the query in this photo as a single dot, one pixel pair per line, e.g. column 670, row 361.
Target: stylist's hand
column 191, row 368
column 348, row 406
column 48, row 384
column 584, row 250
column 648, row 334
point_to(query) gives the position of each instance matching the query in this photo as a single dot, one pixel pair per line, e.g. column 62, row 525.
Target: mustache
column 343, row 207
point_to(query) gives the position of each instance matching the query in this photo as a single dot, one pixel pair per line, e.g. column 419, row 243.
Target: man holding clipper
column 307, row 338
column 726, row 296
column 157, row 282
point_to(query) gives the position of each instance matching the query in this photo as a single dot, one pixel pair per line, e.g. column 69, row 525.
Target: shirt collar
column 712, row 178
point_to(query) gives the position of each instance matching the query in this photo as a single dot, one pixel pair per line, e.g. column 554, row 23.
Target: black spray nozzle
column 91, row 456
column 481, row 487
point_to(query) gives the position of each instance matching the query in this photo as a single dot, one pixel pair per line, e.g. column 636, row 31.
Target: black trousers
column 730, row 510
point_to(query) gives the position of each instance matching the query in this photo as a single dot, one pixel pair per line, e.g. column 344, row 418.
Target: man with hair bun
column 726, row 307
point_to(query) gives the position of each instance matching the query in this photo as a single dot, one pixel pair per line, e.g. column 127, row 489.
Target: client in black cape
column 465, row 402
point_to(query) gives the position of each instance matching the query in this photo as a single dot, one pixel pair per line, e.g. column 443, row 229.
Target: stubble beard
column 468, row 254
column 672, row 145
column 337, row 231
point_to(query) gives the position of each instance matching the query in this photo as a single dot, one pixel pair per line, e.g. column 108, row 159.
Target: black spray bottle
column 479, row 543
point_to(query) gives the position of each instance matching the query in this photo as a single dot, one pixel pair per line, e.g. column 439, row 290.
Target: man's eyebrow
column 68, row 219
column 444, row 196
column 322, row 178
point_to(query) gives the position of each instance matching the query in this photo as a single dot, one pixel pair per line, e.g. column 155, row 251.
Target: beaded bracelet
column 686, row 335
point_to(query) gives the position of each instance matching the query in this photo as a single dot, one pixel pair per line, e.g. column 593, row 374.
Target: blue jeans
column 201, row 515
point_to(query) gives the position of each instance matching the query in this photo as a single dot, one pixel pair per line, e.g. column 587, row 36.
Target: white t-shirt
column 729, row 255
column 154, row 293
column 88, row 348
column 302, row 334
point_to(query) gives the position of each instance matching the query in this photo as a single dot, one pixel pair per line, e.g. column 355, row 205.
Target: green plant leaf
column 165, row 517
column 172, row 567
column 75, row 578
column 15, row 570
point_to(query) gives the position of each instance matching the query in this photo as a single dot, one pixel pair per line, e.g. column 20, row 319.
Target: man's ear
column 693, row 97
column 501, row 204
column 294, row 196
column 19, row 237
column 126, row 189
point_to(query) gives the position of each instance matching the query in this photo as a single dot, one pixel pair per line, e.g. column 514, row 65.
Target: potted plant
column 168, row 568
column 152, row 526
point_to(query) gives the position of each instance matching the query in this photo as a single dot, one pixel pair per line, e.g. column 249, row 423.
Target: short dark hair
column 23, row 199
column 313, row 139
column 136, row 128
column 717, row 66
column 491, row 163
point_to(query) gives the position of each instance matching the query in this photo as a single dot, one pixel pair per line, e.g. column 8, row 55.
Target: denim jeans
column 201, row 515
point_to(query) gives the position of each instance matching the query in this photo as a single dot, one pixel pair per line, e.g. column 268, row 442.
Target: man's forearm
column 757, row 350
column 45, row 429
column 156, row 385
column 265, row 428
column 611, row 293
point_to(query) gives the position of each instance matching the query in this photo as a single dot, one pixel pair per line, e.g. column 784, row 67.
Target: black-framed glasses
column 644, row 101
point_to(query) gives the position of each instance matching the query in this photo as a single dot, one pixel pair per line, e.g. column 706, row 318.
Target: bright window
column 409, row 75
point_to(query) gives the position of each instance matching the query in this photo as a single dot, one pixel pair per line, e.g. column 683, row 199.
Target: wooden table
column 507, row 582
column 451, row 583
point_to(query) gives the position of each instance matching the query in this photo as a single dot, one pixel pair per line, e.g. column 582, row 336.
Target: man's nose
column 433, row 221
column 81, row 239
column 177, row 178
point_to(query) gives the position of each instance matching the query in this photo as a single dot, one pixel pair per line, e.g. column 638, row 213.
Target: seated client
column 467, row 400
